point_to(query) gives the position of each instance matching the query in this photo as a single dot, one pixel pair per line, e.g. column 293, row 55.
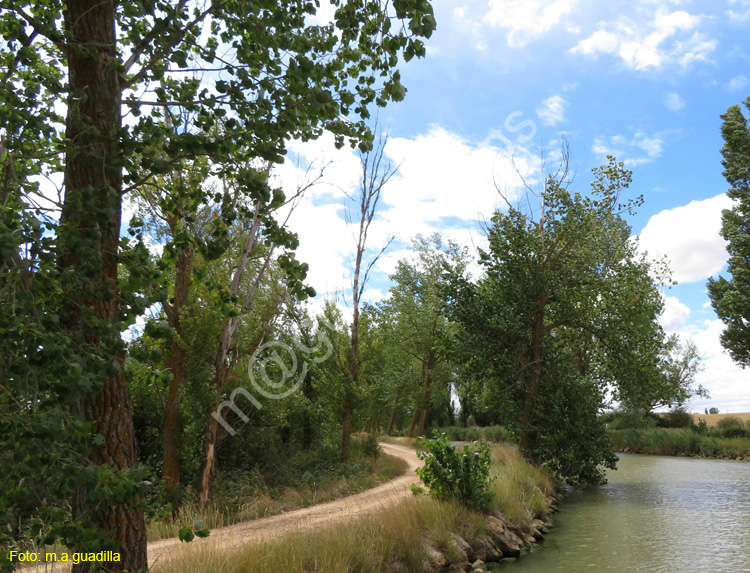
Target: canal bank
column 681, row 442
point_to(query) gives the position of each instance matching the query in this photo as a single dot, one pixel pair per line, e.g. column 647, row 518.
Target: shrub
column 365, row 443
column 731, row 427
column 677, row 418
column 449, row 474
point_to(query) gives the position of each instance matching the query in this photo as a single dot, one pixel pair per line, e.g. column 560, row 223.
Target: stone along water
column 656, row 514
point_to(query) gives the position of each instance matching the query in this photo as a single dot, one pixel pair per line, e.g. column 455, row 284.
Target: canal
column 656, row 514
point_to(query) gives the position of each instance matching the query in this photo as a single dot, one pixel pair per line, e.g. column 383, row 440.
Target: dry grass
column 392, row 535
column 395, row 534
column 521, row 490
column 713, row 419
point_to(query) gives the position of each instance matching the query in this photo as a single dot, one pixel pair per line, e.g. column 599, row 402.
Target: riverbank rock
column 459, row 550
column 435, row 559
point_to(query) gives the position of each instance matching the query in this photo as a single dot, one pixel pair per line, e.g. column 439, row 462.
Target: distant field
column 713, row 419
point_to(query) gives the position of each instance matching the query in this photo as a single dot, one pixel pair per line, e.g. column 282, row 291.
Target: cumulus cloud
column 725, row 381
column 675, row 315
column 674, row 102
column 445, row 183
column 668, row 37
column 552, row 110
column 689, row 237
column 527, row 19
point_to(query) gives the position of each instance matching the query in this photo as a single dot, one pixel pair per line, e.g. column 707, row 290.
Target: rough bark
column 532, row 382
column 413, row 422
column 393, row 411
column 209, row 461
column 89, row 237
column 176, row 364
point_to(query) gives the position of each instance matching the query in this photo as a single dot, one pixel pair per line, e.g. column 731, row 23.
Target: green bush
column 731, row 427
column 449, row 474
column 677, row 418
column 366, row 444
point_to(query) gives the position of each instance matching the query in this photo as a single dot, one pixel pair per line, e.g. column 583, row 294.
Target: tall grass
column 675, row 442
column 522, row 490
column 379, row 541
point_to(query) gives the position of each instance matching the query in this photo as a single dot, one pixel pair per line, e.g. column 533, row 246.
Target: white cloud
column 741, row 16
column 635, row 150
column 445, row 184
column 526, row 19
column 737, row 83
column 652, row 45
column 675, row 315
column 689, row 237
column 552, row 110
column 599, row 41
column 725, row 381
column 674, row 102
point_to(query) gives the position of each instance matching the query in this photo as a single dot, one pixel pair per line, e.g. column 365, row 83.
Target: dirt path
column 305, row 519
column 337, row 511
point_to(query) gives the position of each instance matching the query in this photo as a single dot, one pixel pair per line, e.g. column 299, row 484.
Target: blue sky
column 644, row 80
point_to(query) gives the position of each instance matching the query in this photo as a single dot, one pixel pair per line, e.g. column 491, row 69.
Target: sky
column 502, row 81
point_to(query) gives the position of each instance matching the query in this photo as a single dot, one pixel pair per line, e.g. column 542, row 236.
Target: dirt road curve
column 337, row 511
column 308, row 518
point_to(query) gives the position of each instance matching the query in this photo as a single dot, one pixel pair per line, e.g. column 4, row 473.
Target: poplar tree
column 730, row 297
column 84, row 89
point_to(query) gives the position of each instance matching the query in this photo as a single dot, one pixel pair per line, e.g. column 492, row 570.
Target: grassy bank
column 242, row 498
column 394, row 539
column 680, row 442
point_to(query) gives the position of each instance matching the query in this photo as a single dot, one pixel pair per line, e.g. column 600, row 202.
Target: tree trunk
column 413, row 422
column 88, row 239
column 172, row 421
column 393, row 411
column 532, row 384
column 425, row 408
column 209, row 462
column 347, row 431
column 221, row 374
column 176, row 364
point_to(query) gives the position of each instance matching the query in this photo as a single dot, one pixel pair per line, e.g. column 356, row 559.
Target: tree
column 564, row 301
column 277, row 79
column 730, row 297
column 662, row 378
column 376, row 172
column 415, row 318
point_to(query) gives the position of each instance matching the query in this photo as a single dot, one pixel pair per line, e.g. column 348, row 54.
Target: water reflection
column 657, row 513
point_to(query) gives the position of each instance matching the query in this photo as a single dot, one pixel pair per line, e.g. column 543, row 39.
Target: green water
column 657, row 513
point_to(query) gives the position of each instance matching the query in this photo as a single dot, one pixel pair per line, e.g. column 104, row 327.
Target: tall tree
column 277, row 79
column 731, row 297
column 564, row 297
column 414, row 312
column 376, row 172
